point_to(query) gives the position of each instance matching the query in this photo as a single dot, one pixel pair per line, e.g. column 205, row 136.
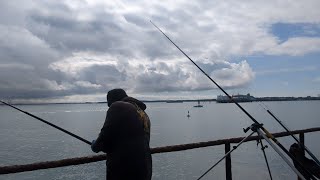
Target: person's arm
column 98, row 144
column 110, row 130
column 103, row 140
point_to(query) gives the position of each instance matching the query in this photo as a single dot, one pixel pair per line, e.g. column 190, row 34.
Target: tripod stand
column 255, row 127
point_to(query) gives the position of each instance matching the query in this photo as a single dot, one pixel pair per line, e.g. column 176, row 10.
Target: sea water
column 24, row 139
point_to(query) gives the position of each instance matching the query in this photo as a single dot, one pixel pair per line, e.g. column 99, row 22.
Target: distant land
column 307, row 98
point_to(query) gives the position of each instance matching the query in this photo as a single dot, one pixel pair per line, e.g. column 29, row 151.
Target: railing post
column 301, row 140
column 228, row 162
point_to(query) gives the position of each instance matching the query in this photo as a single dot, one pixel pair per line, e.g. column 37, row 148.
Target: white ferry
column 237, row 98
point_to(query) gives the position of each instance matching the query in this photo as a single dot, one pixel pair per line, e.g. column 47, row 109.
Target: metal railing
column 88, row 159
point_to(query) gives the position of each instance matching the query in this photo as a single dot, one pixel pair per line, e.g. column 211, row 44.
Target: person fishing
column 125, row 137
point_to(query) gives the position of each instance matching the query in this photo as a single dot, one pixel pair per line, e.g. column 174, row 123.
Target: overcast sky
column 78, row 50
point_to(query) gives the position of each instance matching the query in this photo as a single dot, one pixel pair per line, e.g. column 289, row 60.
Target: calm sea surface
column 26, row 140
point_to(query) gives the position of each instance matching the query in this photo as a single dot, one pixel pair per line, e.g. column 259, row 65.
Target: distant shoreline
column 257, row 99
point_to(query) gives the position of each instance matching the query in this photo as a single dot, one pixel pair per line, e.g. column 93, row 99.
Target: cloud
column 317, row 80
column 237, row 75
column 19, row 45
column 141, row 75
column 59, row 49
column 296, row 46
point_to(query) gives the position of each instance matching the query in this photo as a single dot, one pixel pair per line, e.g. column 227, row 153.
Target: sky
column 78, row 50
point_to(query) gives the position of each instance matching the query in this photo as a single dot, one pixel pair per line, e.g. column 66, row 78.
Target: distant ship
column 237, row 98
column 199, row 105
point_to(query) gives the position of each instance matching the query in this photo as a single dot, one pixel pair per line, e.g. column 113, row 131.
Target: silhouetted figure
column 125, row 137
column 309, row 164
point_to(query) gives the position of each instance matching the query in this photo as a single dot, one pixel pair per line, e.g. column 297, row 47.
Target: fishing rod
column 268, row 134
column 53, row 125
column 292, row 135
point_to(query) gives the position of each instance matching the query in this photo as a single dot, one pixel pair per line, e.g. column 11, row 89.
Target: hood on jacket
column 136, row 101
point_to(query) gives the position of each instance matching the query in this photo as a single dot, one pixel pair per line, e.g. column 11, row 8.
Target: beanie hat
column 115, row 95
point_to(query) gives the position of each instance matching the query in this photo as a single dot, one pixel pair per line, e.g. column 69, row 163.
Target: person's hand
column 93, row 146
column 93, row 141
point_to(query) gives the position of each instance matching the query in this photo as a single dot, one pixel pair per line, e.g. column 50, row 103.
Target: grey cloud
column 210, row 67
column 61, row 27
column 27, row 82
column 71, row 35
column 157, row 82
column 135, row 19
column 102, row 75
column 19, row 45
column 21, row 83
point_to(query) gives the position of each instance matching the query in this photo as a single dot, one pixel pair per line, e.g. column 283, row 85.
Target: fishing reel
column 253, row 127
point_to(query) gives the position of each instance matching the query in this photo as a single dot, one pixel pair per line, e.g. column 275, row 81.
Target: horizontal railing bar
column 51, row 164
column 173, row 148
column 182, row 147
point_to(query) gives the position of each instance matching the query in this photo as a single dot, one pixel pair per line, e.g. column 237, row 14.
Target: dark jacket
column 312, row 167
column 125, row 137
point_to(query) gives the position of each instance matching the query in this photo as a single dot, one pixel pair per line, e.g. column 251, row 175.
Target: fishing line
column 268, row 134
column 53, row 125
column 289, row 131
